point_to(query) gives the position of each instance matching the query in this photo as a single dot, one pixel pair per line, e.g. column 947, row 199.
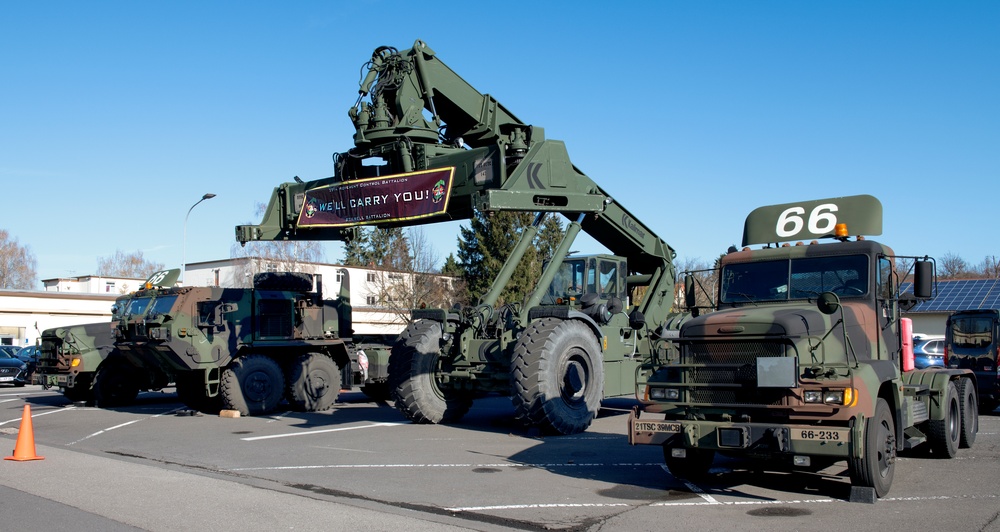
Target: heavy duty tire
column 969, row 400
column 876, row 468
column 945, row 433
column 313, row 382
column 191, row 392
column 252, row 385
column 557, row 376
column 413, row 368
column 693, row 467
column 115, row 385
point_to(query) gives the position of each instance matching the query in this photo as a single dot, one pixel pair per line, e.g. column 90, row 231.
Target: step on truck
column 428, row 147
column 806, row 360
column 247, row 349
column 972, row 342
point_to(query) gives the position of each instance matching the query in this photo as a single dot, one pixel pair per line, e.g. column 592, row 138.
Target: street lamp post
column 184, row 242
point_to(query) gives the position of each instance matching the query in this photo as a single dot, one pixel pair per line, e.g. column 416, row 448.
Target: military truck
column 247, row 349
column 71, row 358
column 429, row 147
column 972, row 341
column 807, row 360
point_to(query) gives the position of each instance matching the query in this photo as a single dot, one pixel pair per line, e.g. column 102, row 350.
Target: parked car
column 12, row 369
column 29, row 355
column 928, row 350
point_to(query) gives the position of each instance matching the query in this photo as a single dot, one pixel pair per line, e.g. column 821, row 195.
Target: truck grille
column 726, row 373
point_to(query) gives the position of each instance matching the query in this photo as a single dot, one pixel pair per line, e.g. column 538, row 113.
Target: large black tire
column 413, row 367
column 191, row 391
column 252, row 385
column 877, row 467
column 946, row 433
column 115, row 384
column 969, row 401
column 313, row 382
column 692, row 467
column 557, row 376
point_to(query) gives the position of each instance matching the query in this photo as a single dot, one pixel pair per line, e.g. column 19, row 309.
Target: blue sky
column 118, row 116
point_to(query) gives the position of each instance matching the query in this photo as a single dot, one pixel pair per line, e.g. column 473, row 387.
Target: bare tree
column 989, row 268
column 952, row 266
column 123, row 264
column 705, row 277
column 408, row 278
column 17, row 264
column 272, row 255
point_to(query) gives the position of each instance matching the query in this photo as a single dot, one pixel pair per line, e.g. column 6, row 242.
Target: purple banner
column 380, row 199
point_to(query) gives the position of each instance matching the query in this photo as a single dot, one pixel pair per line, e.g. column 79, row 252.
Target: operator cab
column 602, row 275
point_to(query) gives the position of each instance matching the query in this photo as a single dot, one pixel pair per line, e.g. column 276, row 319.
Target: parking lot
column 483, row 473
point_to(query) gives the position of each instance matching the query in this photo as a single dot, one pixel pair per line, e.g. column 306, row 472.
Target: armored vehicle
column 807, row 359
column 246, row 349
column 429, row 147
column 972, row 341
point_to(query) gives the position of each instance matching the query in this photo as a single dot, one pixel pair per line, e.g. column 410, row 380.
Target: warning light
column 840, row 231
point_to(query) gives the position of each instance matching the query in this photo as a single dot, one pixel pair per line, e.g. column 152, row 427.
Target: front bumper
column 762, row 439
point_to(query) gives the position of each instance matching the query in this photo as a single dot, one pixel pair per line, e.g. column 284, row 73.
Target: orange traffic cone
column 25, row 447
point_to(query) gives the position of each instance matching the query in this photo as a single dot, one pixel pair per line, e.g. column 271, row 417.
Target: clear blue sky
column 118, row 116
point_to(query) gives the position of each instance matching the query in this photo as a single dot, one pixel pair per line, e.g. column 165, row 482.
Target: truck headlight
column 664, row 394
column 812, row 396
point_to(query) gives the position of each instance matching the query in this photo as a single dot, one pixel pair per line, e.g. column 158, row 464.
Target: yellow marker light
column 74, row 363
column 840, row 230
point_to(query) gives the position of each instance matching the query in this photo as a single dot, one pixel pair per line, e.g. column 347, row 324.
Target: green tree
column 483, row 247
column 17, row 264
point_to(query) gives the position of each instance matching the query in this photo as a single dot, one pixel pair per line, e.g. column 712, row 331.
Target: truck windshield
column 162, row 305
column 971, row 331
column 569, row 281
column 804, row 278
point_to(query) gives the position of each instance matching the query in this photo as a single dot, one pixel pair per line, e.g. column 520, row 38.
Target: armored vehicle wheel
column 252, row 385
column 970, row 412
column 946, row 433
column 413, row 383
column 557, row 376
column 694, row 466
column 115, row 385
column 877, row 467
column 313, row 382
column 191, row 392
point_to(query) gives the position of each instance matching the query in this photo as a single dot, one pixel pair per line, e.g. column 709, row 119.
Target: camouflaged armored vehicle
column 74, row 359
column 247, row 349
column 806, row 360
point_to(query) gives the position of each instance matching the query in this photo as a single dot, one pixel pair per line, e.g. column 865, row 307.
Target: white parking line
column 311, row 432
column 391, row 466
column 533, row 506
column 105, row 430
column 39, row 414
column 694, row 488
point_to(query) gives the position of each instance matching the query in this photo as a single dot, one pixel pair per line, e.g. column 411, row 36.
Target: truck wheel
column 313, row 382
column 946, row 433
column 115, row 385
column 970, row 412
column 876, row 468
column 413, row 368
column 252, row 385
column 191, row 392
column 557, row 376
column 692, row 467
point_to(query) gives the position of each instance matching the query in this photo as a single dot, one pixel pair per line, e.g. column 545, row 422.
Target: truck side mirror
column 828, row 303
column 923, row 276
column 689, row 298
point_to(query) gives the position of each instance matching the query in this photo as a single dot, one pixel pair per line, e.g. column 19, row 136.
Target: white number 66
column 821, row 220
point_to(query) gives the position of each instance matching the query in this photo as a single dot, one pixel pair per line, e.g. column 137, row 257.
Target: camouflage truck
column 74, row 359
column 807, row 360
column 247, row 349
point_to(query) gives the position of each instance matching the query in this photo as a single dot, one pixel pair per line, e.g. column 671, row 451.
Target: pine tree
column 485, row 245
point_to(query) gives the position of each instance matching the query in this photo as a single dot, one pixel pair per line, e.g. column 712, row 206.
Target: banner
column 379, row 199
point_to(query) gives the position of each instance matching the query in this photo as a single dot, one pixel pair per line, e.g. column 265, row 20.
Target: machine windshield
column 804, row 278
column 570, row 280
column 971, row 331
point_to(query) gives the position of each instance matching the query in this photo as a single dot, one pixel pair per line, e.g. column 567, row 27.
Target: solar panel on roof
column 960, row 294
